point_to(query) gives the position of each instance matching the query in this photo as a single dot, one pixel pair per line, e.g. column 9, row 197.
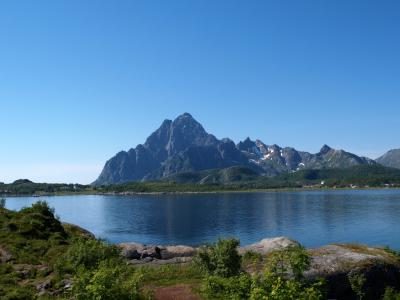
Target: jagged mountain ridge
column 183, row 145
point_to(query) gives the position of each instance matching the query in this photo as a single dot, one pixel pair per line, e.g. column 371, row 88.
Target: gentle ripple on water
column 312, row 217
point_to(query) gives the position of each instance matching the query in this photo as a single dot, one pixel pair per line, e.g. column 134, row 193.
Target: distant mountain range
column 183, row 146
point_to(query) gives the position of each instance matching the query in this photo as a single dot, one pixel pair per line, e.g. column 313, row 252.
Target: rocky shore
column 335, row 263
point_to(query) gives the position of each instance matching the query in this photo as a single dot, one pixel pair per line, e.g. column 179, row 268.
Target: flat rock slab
column 344, row 258
column 335, row 263
column 169, row 252
column 266, row 246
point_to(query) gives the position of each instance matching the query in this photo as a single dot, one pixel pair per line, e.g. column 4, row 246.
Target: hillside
column 390, row 159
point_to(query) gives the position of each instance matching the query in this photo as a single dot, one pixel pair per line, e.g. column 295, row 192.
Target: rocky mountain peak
column 325, row 149
column 186, row 132
column 183, row 145
column 246, row 145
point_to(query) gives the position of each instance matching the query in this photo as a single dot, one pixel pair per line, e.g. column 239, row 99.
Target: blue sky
column 81, row 80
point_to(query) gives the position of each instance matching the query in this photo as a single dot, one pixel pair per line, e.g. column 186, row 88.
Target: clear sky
column 81, row 80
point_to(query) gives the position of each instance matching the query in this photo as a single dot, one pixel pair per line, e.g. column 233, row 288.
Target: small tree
column 221, row 259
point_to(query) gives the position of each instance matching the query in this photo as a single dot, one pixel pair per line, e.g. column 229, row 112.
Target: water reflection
column 313, row 218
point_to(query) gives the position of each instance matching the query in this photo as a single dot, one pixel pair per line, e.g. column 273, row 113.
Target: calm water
column 314, row 218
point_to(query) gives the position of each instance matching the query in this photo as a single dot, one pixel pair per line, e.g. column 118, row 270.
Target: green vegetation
column 27, row 187
column 391, row 294
column 362, row 175
column 282, row 279
column 40, row 258
column 357, row 282
column 219, row 180
column 221, row 259
column 241, row 180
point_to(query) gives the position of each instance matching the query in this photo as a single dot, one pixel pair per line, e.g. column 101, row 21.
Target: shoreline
column 128, row 193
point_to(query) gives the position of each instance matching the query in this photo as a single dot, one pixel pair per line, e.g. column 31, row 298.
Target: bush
column 292, row 261
column 279, row 288
column 86, row 253
column 111, row 280
column 38, row 222
column 220, row 259
column 283, row 278
column 357, row 282
column 391, row 294
column 236, row 287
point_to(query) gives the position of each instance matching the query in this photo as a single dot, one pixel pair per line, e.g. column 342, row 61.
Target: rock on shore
column 140, row 253
column 334, row 263
column 268, row 245
column 337, row 263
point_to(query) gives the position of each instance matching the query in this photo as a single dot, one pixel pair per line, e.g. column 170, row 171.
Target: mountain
column 275, row 160
column 390, row 159
column 177, row 146
column 183, row 146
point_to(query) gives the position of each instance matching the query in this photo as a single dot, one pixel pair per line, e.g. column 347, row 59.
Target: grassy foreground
column 41, row 258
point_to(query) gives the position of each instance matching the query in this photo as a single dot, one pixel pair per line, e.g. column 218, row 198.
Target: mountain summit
column 183, row 145
column 176, row 146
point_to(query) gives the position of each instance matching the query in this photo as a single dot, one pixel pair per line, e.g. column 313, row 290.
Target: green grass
column 36, row 240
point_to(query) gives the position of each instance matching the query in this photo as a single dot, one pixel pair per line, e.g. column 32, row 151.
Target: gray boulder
column 151, row 251
column 131, row 250
column 268, row 245
column 170, row 252
column 337, row 263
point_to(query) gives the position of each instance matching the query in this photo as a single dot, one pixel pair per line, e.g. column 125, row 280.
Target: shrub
column 220, row 259
column 111, row 280
column 292, row 261
column 38, row 222
column 357, row 282
column 284, row 279
column 86, row 253
column 236, row 287
column 279, row 288
column 391, row 294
